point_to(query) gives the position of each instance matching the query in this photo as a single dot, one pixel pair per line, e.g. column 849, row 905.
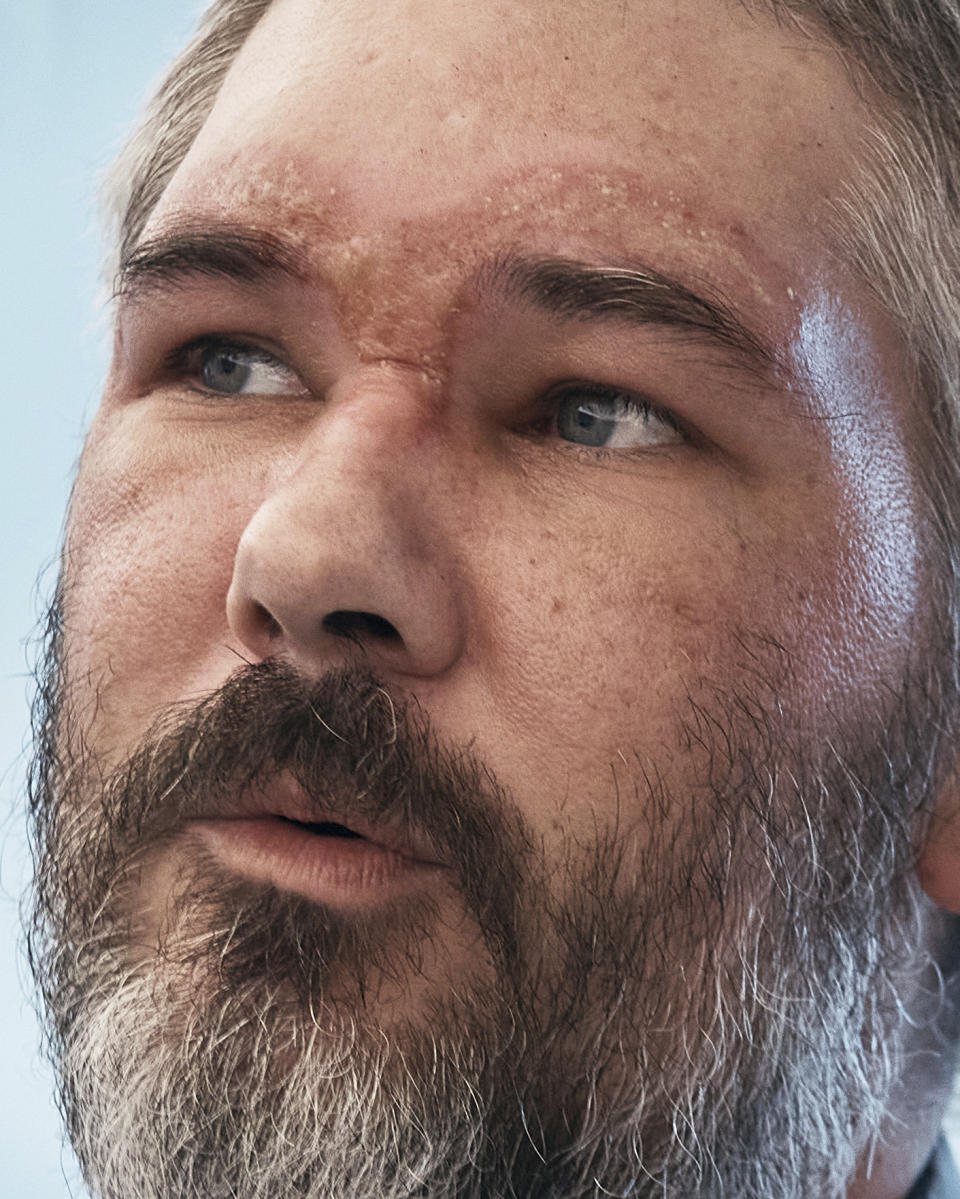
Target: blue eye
column 225, row 370
column 597, row 416
column 233, row 369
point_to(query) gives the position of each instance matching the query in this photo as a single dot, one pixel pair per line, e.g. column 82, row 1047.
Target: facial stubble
column 704, row 1021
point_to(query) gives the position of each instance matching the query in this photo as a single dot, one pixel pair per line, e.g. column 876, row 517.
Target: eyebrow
column 570, row 290
column 561, row 288
column 182, row 256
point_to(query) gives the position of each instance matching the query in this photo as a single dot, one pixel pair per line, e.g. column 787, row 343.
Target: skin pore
column 408, row 448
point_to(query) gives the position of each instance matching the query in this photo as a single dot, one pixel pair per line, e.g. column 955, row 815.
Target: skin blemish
column 371, row 274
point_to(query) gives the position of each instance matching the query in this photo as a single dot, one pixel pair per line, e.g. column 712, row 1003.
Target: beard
column 720, row 1018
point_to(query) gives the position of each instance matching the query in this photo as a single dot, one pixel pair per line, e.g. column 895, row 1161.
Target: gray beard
column 723, row 1021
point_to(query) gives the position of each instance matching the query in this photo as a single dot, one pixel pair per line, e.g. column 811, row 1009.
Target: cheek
column 151, row 539
column 881, row 526
column 851, row 581
column 597, row 627
column 604, row 631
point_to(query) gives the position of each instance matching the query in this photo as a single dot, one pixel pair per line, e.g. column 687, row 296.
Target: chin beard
column 721, row 1020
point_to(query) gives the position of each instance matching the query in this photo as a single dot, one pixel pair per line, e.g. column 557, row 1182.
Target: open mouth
column 326, row 828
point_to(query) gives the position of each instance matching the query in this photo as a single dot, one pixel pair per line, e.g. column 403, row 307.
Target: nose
column 346, row 552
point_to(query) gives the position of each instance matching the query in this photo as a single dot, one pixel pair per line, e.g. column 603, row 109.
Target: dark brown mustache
column 358, row 751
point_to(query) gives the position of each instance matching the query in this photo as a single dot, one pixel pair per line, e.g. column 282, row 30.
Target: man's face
column 558, row 475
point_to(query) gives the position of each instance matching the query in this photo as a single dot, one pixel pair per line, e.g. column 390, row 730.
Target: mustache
column 357, row 751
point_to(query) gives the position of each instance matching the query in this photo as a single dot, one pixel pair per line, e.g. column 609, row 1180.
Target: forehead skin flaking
column 511, row 158
column 369, row 273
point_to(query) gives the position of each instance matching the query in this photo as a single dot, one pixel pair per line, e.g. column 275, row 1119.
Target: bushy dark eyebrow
column 236, row 254
column 569, row 290
column 562, row 288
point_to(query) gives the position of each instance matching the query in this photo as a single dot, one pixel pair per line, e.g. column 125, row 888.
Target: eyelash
column 590, row 390
column 180, row 362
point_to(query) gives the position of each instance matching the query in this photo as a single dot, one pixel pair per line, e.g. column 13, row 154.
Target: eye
column 591, row 414
column 232, row 368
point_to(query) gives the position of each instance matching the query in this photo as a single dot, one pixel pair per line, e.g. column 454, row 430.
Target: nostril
column 266, row 621
column 359, row 625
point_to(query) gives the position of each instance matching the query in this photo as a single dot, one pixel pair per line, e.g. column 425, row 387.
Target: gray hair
column 174, row 117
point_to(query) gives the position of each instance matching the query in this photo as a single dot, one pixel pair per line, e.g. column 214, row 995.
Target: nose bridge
column 377, row 416
column 372, row 419
column 348, row 544
column 376, row 452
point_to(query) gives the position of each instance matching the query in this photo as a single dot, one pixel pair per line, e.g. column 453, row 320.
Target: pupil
column 584, row 425
column 224, row 372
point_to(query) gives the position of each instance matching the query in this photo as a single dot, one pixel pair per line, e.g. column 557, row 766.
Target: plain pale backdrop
column 73, row 75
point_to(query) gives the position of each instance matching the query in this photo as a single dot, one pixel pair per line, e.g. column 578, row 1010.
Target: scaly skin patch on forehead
column 407, row 89
column 450, row 157
column 373, row 272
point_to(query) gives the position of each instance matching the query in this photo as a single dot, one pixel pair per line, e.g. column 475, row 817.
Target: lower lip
column 341, row 871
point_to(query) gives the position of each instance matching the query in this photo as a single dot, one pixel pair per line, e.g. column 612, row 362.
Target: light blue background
column 73, row 75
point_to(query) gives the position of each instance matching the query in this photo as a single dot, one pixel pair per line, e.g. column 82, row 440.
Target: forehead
column 383, row 134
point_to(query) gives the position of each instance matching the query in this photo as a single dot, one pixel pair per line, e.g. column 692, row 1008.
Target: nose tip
column 318, row 588
column 353, row 549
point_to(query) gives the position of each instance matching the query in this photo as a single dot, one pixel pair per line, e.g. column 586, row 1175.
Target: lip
column 261, row 837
